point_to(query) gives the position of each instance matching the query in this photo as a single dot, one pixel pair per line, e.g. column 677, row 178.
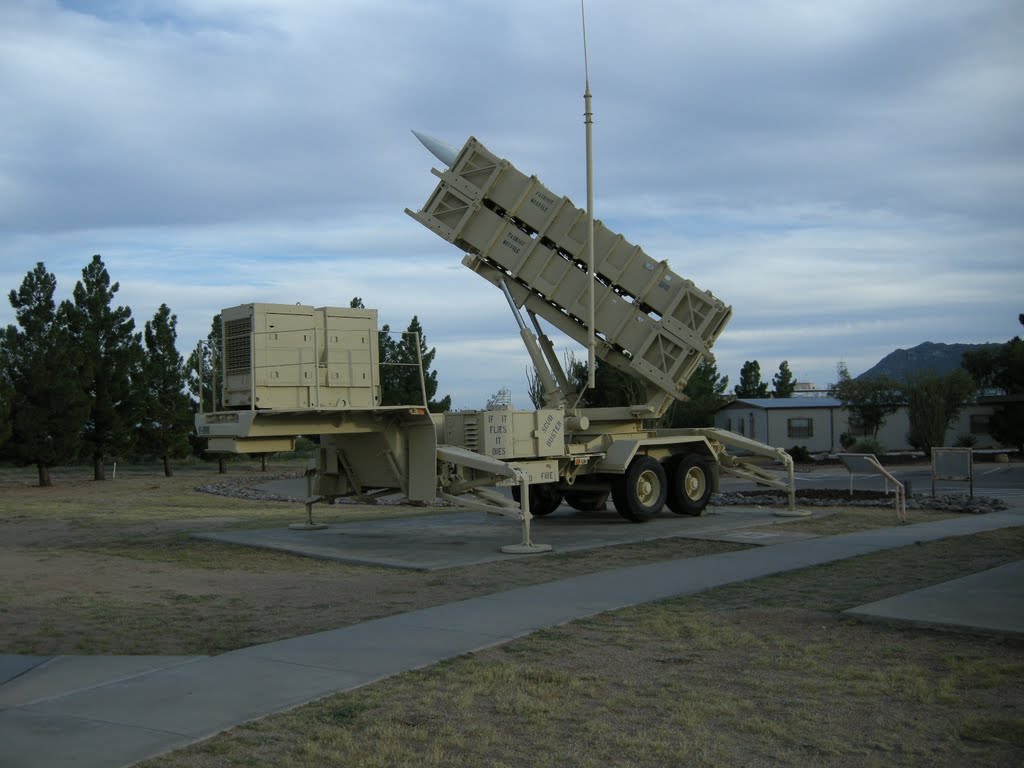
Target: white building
column 818, row 422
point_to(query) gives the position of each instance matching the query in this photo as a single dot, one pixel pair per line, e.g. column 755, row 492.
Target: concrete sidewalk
column 990, row 602
column 128, row 719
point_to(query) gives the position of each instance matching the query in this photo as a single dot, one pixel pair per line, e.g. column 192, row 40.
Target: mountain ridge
column 928, row 356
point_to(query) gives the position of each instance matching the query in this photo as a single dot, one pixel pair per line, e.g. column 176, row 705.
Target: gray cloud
column 848, row 175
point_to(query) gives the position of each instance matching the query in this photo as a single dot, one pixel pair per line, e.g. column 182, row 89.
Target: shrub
column 966, row 441
column 800, row 454
column 847, row 440
column 868, row 445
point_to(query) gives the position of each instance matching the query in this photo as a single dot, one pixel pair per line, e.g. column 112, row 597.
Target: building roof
column 774, row 403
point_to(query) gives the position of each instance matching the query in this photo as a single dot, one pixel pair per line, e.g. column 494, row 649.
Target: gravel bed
column 829, row 497
column 245, row 488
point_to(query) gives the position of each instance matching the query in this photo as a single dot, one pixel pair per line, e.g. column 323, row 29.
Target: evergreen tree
column 750, row 381
column 391, row 369
column 706, row 393
column 5, row 406
column 933, row 403
column 39, row 371
column 407, row 354
column 204, row 373
column 614, row 388
column 869, row 401
column 1002, row 367
column 782, row 382
column 167, row 412
column 204, row 383
column 399, row 366
column 112, row 356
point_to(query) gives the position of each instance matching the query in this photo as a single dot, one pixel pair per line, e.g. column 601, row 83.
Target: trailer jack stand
column 309, row 525
column 525, row 547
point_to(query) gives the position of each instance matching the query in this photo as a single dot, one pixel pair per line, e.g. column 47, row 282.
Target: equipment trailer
column 291, row 370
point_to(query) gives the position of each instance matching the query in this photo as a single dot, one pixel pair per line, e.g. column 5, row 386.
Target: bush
column 966, row 441
column 305, row 448
column 868, row 445
column 846, row 440
column 800, row 454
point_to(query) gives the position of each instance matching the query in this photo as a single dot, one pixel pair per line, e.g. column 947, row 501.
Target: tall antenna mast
column 588, row 121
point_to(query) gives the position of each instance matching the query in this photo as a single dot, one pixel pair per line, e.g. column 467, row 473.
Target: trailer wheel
column 640, row 493
column 587, row 501
column 689, row 484
column 544, row 498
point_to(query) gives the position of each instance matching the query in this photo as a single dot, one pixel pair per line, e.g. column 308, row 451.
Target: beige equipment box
column 507, row 434
column 292, row 356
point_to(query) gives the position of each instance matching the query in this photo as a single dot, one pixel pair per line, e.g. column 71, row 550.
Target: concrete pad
column 293, row 487
column 469, row 538
column 990, row 602
column 12, row 665
column 66, row 674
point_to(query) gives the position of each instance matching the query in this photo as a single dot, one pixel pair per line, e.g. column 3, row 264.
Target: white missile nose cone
column 442, row 150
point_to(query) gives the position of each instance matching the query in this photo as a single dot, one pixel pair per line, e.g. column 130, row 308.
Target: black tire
column 587, row 501
column 689, row 484
column 544, row 498
column 640, row 493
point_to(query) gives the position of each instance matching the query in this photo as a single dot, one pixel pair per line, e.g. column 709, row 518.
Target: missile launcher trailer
column 292, row 370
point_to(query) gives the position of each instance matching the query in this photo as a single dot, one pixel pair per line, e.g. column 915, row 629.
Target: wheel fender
column 620, row 453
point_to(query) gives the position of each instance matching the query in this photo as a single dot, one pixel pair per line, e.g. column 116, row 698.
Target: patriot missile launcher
column 532, row 244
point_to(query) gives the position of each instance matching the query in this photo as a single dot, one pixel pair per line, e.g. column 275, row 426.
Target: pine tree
column 167, row 414
column 750, row 381
column 391, row 368
column 5, row 406
column 412, row 352
column 613, row 387
column 400, row 366
column 112, row 356
column 782, row 382
column 706, row 393
column 204, row 383
column 40, row 366
column 203, row 371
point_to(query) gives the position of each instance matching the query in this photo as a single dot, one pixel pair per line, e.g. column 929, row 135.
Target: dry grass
column 763, row 673
column 837, row 520
column 109, row 568
column 743, row 675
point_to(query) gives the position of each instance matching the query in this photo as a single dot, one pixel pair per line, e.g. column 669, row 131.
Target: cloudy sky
column 848, row 175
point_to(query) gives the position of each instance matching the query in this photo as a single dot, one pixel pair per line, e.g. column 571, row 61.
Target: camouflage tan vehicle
column 291, row 370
